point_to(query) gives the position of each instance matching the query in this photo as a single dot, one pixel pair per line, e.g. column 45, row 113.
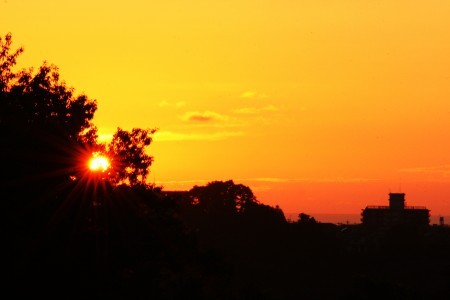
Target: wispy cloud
column 178, row 136
column 310, row 180
column 259, row 184
column 271, row 179
column 344, row 180
column 105, row 134
column 247, row 111
column 443, row 170
column 180, row 185
column 270, row 108
column 178, row 104
column 106, row 137
column 252, row 95
column 206, row 116
column 191, row 181
column 256, row 110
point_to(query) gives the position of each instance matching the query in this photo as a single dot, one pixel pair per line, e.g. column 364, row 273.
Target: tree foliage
column 223, row 197
column 127, row 153
column 46, row 128
column 41, row 98
column 93, row 237
column 306, row 219
column 7, row 62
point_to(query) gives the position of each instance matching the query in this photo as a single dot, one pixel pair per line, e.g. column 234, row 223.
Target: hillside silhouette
column 73, row 233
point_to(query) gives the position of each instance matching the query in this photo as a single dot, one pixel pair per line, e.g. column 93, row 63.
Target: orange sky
column 320, row 106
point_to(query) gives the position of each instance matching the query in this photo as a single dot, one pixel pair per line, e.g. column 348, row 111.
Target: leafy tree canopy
column 223, row 197
column 306, row 219
column 47, row 129
column 127, row 153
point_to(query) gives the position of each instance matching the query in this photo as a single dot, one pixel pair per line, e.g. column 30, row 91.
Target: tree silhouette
column 306, row 219
column 47, row 130
column 78, row 231
column 223, row 197
column 7, row 61
column 41, row 99
column 127, row 153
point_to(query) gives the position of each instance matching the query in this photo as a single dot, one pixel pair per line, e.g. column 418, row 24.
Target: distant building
column 397, row 213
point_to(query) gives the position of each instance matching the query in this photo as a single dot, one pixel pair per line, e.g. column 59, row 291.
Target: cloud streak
column 206, row 116
column 169, row 136
column 261, row 184
column 178, row 104
column 443, row 170
column 253, row 95
column 310, row 180
column 256, row 110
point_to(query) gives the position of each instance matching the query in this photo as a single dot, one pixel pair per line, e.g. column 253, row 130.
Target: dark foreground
column 140, row 243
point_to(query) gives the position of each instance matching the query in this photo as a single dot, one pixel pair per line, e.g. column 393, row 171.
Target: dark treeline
column 70, row 233
column 275, row 259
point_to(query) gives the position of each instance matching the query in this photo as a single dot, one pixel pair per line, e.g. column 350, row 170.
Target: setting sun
column 98, row 162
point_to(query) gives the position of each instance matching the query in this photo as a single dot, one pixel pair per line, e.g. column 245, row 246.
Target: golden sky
column 320, row 106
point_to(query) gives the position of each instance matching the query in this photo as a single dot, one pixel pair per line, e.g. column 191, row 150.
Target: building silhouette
column 396, row 214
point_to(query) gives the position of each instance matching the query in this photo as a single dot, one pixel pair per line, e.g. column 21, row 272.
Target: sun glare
column 98, row 162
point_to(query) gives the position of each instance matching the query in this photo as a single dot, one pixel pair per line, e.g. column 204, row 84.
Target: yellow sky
column 308, row 102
